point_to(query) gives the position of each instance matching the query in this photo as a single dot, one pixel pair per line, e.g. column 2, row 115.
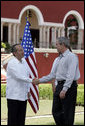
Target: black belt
column 63, row 81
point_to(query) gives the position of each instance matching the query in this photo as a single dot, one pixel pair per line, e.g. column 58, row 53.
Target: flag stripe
column 31, row 67
column 36, row 90
column 33, row 107
column 32, row 64
column 32, row 91
column 35, row 87
column 33, row 103
column 33, row 60
column 34, row 98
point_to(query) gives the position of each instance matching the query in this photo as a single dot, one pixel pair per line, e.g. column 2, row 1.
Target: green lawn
column 45, row 107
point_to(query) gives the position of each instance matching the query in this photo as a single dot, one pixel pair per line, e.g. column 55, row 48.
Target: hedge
column 45, row 92
column 3, row 90
column 80, row 95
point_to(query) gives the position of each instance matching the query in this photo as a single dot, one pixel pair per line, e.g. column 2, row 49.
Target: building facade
column 48, row 19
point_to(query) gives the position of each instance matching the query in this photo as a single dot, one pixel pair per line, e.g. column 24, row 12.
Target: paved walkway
column 43, row 116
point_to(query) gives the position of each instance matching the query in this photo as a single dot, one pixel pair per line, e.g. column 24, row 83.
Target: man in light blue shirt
column 18, row 86
column 65, row 71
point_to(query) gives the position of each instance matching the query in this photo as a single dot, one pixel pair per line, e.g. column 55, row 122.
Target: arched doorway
column 77, row 27
column 71, row 30
column 34, row 28
column 35, row 19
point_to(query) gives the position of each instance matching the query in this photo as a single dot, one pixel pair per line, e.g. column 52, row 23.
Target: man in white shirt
column 65, row 71
column 18, row 86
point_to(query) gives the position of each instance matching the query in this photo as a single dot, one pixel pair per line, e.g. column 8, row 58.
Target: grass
column 45, row 107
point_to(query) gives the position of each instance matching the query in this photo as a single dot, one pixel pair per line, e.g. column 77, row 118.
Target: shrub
column 3, row 90
column 80, row 95
column 45, row 92
column 8, row 45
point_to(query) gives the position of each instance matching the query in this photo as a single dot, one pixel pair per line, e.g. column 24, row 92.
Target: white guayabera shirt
column 18, row 81
column 65, row 67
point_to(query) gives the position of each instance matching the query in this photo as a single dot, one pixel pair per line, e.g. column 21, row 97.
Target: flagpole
column 27, row 18
column 27, row 15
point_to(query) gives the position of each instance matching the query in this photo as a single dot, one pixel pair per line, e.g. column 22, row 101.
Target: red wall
column 81, row 67
column 44, row 64
column 52, row 11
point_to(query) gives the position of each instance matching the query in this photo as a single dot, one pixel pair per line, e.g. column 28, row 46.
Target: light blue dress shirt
column 65, row 67
column 18, row 81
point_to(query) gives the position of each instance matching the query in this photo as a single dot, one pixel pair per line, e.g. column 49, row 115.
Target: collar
column 18, row 60
column 66, row 52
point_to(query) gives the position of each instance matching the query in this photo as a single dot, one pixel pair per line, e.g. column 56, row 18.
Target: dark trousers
column 16, row 112
column 63, row 110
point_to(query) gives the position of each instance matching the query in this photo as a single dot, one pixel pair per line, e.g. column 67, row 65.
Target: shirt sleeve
column 17, row 73
column 28, row 87
column 72, row 68
column 50, row 76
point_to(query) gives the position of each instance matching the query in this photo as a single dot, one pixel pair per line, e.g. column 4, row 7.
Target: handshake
column 35, row 81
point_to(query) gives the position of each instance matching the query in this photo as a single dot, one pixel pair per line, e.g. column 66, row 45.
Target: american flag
column 31, row 61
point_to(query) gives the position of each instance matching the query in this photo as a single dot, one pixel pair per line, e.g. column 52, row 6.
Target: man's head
column 17, row 51
column 62, row 43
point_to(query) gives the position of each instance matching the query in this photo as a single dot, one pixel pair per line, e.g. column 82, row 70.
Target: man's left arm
column 72, row 65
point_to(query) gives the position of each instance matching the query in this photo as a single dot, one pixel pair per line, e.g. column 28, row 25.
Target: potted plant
column 3, row 47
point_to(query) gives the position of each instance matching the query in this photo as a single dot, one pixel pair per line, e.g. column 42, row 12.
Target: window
column 5, row 34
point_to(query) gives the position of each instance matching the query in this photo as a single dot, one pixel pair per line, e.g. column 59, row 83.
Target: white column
column 59, row 32
column 9, row 33
column 44, row 37
column 2, row 23
column 54, row 36
column 62, row 32
column 14, row 34
column 80, row 38
column 40, row 37
column 48, row 37
column 68, row 32
column 18, row 33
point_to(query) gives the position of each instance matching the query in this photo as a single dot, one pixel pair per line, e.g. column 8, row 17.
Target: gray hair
column 65, row 41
